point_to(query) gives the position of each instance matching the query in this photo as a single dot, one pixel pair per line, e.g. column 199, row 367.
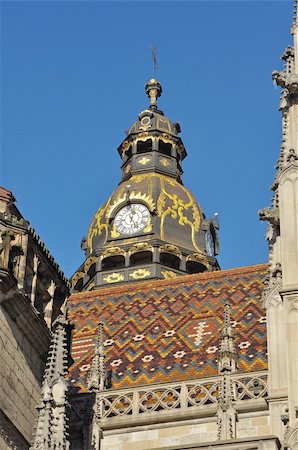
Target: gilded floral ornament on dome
column 77, row 276
column 125, row 146
column 113, row 278
column 149, row 227
column 139, row 274
column 127, row 168
column 170, row 248
column 198, row 257
column 144, row 160
column 165, row 162
column 89, row 262
column 98, row 225
column 169, row 204
column 114, row 232
column 166, row 138
column 141, row 246
column 110, row 251
column 168, row 274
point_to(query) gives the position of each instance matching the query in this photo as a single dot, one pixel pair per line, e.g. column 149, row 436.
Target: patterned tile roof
column 168, row 330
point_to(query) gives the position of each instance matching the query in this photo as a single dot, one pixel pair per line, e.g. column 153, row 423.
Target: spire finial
column 227, row 354
column 97, row 372
column 52, row 425
column 295, row 17
column 153, row 90
column 154, row 57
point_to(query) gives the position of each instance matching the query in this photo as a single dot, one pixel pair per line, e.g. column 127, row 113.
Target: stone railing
column 180, row 396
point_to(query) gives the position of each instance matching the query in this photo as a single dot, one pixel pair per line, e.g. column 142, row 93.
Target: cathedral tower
column 151, row 226
column 281, row 293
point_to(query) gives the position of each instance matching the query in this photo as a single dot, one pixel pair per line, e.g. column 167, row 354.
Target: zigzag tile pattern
column 169, row 330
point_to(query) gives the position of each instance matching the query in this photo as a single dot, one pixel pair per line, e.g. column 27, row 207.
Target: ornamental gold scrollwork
column 98, row 225
column 177, row 209
column 141, row 246
column 113, row 278
column 125, row 146
column 165, row 162
column 149, row 227
column 110, row 251
column 77, row 276
column 89, row 262
column 197, row 257
column 139, row 274
column 168, row 274
column 144, row 160
column 127, row 168
column 114, row 232
column 166, row 138
column 170, row 248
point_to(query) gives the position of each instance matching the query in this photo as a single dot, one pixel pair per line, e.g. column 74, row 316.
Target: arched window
column 144, row 147
column 91, row 271
column 141, row 258
column 164, row 148
column 195, row 267
column 170, row 260
column 79, row 284
column 113, row 262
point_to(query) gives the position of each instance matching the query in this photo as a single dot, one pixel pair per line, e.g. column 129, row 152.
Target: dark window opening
column 128, row 153
column 91, row 271
column 164, row 148
column 144, row 147
column 113, row 262
column 79, row 284
column 141, row 258
column 170, row 260
column 195, row 267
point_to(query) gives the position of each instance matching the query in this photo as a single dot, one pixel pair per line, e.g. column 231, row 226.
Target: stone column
column 36, row 262
column 48, row 311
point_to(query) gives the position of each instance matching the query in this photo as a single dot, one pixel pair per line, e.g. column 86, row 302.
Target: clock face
column 209, row 243
column 132, row 218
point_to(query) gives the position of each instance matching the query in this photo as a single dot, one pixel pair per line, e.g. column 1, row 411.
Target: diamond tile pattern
column 168, row 330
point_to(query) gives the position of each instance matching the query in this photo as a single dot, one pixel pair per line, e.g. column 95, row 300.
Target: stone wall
column 183, row 433
column 20, row 379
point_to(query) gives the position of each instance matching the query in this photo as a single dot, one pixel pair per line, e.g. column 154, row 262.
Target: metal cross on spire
column 154, row 57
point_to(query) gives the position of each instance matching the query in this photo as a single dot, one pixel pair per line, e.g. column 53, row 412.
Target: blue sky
column 72, row 80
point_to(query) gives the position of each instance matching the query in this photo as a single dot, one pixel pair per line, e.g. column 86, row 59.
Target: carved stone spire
column 96, row 384
column 227, row 365
column 227, row 355
column 52, row 427
column 295, row 18
column 97, row 372
column 281, row 292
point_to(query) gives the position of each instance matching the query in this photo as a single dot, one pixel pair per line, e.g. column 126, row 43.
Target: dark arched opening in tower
column 164, row 148
column 91, row 271
column 141, row 258
column 195, row 267
column 113, row 262
column 144, row 147
column 170, row 260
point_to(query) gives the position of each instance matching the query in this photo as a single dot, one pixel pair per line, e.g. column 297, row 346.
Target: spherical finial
column 153, row 90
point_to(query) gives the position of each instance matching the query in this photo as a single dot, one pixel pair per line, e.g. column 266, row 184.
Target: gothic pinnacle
column 227, row 361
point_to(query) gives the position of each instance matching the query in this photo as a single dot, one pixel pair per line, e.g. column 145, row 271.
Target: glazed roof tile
column 164, row 331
